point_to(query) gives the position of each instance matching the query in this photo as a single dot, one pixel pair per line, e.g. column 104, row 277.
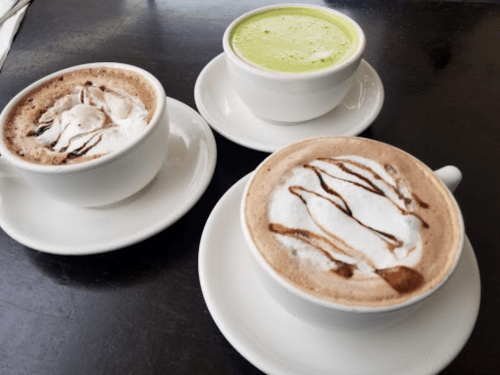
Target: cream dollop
column 92, row 121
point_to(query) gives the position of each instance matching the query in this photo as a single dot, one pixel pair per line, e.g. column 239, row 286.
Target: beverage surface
column 293, row 40
column 353, row 221
column 80, row 116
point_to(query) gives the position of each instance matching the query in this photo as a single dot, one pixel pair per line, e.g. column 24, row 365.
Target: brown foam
column 23, row 118
column 441, row 240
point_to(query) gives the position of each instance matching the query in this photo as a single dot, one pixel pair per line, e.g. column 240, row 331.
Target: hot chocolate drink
column 79, row 116
column 353, row 221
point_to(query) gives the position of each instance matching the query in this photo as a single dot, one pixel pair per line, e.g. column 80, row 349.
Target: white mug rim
column 16, row 161
column 335, row 306
column 287, row 76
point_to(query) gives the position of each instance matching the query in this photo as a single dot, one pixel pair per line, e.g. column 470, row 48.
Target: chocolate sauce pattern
column 401, row 278
column 340, row 163
column 94, row 136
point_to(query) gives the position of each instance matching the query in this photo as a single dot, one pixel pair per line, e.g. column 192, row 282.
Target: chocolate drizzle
column 401, row 278
column 391, row 240
column 82, row 150
column 419, row 202
column 340, row 163
column 40, row 130
column 344, row 270
column 95, row 135
column 320, row 243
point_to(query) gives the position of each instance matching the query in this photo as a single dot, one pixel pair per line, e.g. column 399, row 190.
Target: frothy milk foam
column 353, row 221
column 80, row 115
column 294, row 39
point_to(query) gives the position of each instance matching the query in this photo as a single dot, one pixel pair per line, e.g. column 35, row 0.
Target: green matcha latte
column 294, row 40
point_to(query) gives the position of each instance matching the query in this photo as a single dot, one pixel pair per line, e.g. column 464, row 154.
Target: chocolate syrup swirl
column 340, row 163
column 319, row 242
column 391, row 240
column 42, row 128
column 402, row 279
column 95, row 135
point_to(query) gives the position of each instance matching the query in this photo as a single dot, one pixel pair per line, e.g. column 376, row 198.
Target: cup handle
column 450, row 175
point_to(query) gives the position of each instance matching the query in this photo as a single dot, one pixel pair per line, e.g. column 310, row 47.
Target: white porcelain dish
column 278, row 343
column 49, row 226
column 219, row 104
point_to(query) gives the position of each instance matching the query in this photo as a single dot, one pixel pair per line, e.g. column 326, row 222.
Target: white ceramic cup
column 329, row 314
column 291, row 97
column 104, row 180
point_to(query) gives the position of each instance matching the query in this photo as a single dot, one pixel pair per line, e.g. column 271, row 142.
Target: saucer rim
column 266, row 147
column 141, row 234
column 266, row 364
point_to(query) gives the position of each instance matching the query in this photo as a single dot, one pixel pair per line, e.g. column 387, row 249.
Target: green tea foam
column 294, row 40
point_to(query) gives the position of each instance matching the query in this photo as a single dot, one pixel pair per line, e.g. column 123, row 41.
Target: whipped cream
column 347, row 210
column 92, row 121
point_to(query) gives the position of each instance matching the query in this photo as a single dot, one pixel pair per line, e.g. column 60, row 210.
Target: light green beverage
column 294, row 40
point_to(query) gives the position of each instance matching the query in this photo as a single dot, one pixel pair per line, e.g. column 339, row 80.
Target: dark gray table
column 140, row 310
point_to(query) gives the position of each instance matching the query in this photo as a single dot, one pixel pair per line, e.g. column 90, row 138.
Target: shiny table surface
column 140, row 310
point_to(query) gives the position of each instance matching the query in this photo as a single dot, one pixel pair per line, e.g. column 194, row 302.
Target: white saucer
column 43, row 224
column 219, row 104
column 278, row 343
